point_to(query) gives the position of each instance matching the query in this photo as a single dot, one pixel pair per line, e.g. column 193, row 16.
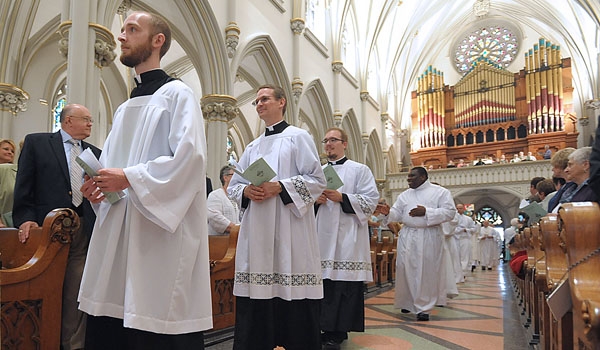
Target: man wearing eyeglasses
column 342, row 226
column 44, row 183
column 278, row 284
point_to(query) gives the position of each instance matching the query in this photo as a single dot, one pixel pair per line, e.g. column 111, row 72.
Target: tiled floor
column 484, row 316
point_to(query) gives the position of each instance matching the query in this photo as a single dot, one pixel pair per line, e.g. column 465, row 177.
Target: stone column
column 93, row 45
column 297, row 27
column 218, row 111
column 336, row 67
column 12, row 101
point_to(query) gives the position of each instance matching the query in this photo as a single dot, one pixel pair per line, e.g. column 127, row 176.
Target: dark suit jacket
column 43, row 181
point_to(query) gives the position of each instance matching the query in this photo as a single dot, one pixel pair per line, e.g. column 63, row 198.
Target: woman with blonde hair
column 8, row 174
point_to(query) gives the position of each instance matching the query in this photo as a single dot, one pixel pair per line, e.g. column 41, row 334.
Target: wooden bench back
column 581, row 235
column 556, row 260
column 31, row 281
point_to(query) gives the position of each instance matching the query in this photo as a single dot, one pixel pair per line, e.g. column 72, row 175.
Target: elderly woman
column 578, row 173
column 8, row 174
column 223, row 213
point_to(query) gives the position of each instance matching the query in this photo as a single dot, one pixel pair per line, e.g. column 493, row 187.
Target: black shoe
column 483, row 268
column 473, row 268
column 421, row 316
column 489, row 268
column 404, row 311
column 331, row 345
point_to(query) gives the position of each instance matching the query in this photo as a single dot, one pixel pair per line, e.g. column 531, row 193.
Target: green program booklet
column 333, row 179
column 258, row 172
column 90, row 164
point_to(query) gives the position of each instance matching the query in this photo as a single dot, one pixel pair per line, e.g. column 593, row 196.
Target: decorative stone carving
column 297, row 25
column 221, row 108
column 481, row 8
column 336, row 66
column 364, row 95
column 63, row 42
column 232, row 38
column 384, row 117
column 124, row 7
column 104, row 46
column 13, row 99
column 337, row 118
column 297, row 85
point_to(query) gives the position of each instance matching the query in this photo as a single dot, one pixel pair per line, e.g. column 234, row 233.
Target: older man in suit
column 47, row 179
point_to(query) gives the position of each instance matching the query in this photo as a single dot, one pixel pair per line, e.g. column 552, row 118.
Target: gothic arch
column 352, row 128
column 391, row 161
column 314, row 105
column 257, row 62
column 374, row 157
column 197, row 31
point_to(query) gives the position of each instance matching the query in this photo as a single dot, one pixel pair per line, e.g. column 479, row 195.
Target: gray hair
column 581, row 155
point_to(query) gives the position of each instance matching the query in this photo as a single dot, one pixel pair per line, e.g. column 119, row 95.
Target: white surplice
column 488, row 242
column 344, row 237
column 277, row 251
column 147, row 261
column 420, row 243
column 463, row 232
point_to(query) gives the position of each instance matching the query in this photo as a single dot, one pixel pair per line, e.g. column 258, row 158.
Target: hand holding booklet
column 257, row 173
column 90, row 164
column 333, row 179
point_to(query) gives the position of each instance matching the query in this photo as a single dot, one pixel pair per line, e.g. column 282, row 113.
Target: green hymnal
column 333, row 179
column 258, row 172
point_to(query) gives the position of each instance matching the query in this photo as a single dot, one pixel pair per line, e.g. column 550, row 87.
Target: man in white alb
column 146, row 283
column 342, row 226
column 421, row 209
column 278, row 284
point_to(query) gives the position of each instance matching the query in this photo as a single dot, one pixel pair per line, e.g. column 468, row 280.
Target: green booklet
column 333, row 179
column 258, row 172
column 90, row 164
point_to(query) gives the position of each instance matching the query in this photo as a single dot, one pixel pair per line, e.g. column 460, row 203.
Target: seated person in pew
column 578, row 173
column 223, row 213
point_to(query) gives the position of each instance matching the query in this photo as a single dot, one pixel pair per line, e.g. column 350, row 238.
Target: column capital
column 104, row 45
column 232, row 38
column 337, row 118
column 12, row 98
column 364, row 95
column 63, row 42
column 297, row 86
column 336, row 66
column 384, row 117
column 297, row 25
column 217, row 107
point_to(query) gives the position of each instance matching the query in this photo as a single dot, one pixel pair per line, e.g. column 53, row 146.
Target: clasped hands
column 107, row 180
column 266, row 190
column 332, row 195
column 419, row 210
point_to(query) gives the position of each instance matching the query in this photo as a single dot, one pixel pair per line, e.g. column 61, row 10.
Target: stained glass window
column 495, row 44
column 488, row 213
column 60, row 104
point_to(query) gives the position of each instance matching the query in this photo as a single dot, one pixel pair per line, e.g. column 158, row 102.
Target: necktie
column 76, row 173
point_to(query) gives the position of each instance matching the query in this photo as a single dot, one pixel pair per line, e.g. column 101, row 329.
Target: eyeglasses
column 331, row 140
column 262, row 100
column 229, row 174
column 85, row 119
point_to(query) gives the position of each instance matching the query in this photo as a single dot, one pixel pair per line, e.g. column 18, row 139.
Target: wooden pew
column 381, row 262
column 31, row 282
column 222, row 270
column 581, row 235
column 561, row 330
column 373, row 249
